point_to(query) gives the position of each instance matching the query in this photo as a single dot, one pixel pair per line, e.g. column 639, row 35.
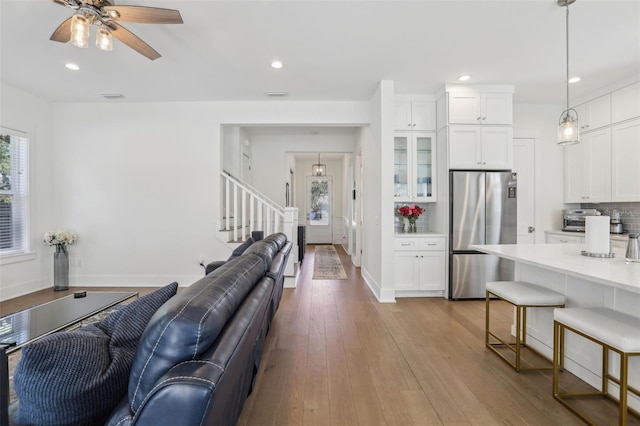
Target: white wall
column 21, row 111
column 138, row 182
column 540, row 123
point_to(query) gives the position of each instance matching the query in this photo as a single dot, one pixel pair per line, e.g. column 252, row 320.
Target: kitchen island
column 586, row 282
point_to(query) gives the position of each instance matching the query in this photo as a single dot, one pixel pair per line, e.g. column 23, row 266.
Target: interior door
column 524, row 166
column 319, row 210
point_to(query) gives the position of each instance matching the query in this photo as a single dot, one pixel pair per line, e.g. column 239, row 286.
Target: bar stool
column 521, row 295
column 614, row 331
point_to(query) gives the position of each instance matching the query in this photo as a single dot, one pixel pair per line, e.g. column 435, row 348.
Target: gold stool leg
column 624, row 366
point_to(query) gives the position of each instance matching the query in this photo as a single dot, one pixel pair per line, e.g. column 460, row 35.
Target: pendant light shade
column 79, row 31
column 319, row 169
column 568, row 131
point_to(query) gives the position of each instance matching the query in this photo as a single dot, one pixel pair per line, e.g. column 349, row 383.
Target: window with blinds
column 14, row 194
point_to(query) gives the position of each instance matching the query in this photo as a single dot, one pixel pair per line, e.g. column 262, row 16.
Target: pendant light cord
column 567, row 37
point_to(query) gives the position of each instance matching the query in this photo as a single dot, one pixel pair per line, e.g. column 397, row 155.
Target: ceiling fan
column 104, row 14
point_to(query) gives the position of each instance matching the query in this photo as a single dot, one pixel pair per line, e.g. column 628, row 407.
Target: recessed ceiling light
column 464, row 77
column 574, row 79
column 71, row 66
column 275, row 93
column 276, row 64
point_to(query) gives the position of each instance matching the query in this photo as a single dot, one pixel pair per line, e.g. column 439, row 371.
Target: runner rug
column 327, row 265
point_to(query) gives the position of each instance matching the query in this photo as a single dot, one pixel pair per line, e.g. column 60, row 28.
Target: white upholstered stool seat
column 521, row 295
column 614, row 331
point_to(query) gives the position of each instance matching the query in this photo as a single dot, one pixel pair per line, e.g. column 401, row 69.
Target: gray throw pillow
column 78, row 377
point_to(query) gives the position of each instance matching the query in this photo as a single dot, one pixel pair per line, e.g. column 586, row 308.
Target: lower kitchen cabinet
column 419, row 267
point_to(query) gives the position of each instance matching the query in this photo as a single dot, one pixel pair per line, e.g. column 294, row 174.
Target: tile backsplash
column 629, row 213
column 422, row 223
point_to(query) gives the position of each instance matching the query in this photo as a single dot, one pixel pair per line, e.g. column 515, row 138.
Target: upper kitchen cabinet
column 480, row 108
column 625, row 161
column 625, row 103
column 414, row 166
column 415, row 113
column 594, row 114
column 480, row 147
column 587, row 168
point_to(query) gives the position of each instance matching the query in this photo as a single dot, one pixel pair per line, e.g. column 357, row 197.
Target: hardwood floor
column 335, row 356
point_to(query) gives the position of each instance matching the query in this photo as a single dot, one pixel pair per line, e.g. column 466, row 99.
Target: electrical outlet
column 75, row 263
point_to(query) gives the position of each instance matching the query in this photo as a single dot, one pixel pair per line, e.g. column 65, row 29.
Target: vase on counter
column 61, row 268
column 412, row 224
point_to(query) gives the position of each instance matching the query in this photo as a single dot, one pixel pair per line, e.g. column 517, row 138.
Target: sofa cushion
column 279, row 238
column 266, row 250
column 241, row 248
column 78, row 377
column 190, row 322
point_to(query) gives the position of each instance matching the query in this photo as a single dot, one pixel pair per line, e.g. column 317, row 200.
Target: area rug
column 327, row 265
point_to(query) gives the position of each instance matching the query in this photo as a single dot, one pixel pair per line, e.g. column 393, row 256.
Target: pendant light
column 568, row 133
column 319, row 169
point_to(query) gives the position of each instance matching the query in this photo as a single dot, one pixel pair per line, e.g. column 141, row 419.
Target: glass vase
column 60, row 269
column 412, row 224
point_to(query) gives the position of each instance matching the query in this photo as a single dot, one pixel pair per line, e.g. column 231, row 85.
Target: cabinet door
column 625, row 103
column 401, row 166
column 625, row 161
column 594, row 114
column 497, row 108
column 576, row 173
column 497, row 147
column 598, row 145
column 431, row 270
column 464, row 147
column 403, row 115
column 423, row 115
column 405, row 274
column 464, row 108
column 424, row 146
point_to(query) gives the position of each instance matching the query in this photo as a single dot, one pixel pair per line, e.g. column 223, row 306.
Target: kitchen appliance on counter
column 483, row 209
column 574, row 219
column 615, row 224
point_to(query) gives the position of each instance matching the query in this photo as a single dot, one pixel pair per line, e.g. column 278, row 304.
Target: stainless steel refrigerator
column 483, row 210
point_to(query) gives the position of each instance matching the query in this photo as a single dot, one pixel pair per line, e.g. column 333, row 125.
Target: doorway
column 319, row 208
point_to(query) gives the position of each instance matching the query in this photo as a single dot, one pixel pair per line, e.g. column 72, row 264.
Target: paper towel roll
column 597, row 234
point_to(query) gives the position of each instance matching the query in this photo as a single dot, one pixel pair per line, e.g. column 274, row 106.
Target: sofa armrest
column 212, row 266
column 191, row 382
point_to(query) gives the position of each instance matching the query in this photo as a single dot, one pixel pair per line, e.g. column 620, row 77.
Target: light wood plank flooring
column 335, row 356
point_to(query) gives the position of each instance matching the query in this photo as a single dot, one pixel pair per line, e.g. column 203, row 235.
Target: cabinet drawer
column 402, row 244
column 432, row 244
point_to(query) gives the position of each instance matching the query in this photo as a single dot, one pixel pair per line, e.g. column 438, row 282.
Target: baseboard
column 383, row 296
column 23, row 288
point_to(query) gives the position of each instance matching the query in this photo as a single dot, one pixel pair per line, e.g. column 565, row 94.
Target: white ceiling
column 332, row 50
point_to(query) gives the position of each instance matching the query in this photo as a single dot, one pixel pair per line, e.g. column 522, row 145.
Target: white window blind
column 14, row 192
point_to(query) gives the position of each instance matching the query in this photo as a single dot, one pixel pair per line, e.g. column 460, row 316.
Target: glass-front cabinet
column 414, row 166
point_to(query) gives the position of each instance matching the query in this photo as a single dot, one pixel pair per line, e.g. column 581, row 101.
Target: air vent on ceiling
column 112, row 95
column 276, row 93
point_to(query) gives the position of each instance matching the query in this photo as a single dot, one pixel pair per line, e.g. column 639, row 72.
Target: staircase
column 245, row 209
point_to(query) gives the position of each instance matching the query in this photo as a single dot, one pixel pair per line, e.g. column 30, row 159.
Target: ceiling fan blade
column 63, row 32
column 62, row 3
column 133, row 41
column 145, row 15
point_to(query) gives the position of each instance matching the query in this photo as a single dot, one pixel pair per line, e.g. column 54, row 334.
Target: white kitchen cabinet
column 419, row 115
column 625, row 103
column 419, row 268
column 587, row 168
column 625, row 161
column 414, row 166
column 594, row 114
column 480, row 108
column 480, row 147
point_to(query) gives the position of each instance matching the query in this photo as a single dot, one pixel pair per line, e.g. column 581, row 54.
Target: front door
column 319, row 210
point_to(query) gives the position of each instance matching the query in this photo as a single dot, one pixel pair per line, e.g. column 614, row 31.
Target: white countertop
column 566, row 258
column 618, row 237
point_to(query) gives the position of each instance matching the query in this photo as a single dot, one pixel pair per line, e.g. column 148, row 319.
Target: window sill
column 8, row 258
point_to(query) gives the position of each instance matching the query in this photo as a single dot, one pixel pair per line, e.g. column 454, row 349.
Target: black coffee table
column 23, row 327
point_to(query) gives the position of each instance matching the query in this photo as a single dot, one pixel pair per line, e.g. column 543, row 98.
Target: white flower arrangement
column 60, row 239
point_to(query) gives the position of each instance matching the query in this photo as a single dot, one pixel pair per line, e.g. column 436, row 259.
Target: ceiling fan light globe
column 104, row 39
column 79, row 31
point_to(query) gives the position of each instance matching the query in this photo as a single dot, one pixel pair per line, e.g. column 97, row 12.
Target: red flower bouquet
column 412, row 213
